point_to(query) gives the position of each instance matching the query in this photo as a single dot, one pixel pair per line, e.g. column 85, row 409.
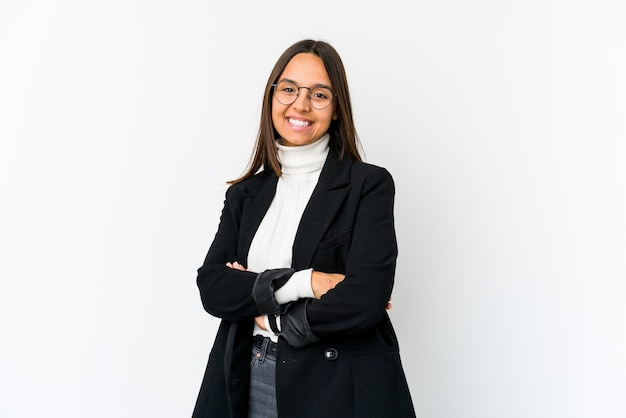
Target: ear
column 335, row 116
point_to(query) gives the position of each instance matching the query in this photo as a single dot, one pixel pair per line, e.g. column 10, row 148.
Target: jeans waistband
column 260, row 342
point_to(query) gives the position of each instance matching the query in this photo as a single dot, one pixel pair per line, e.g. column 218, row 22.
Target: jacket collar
column 330, row 191
column 260, row 191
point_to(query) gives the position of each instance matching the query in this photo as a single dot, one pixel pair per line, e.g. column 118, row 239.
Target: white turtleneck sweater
column 272, row 244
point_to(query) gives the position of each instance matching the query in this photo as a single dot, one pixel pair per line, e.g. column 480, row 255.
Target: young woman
column 302, row 266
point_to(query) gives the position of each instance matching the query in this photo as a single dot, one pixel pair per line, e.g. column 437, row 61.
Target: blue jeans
column 262, row 394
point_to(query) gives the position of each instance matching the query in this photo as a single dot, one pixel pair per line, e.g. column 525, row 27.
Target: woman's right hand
column 321, row 283
column 236, row 266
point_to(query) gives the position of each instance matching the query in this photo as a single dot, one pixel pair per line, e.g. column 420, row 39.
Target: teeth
column 299, row 122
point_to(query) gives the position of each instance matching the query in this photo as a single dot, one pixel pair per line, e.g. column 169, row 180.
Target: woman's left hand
column 260, row 322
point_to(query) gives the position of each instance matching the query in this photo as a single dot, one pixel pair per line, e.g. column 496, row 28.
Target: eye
column 320, row 95
column 285, row 87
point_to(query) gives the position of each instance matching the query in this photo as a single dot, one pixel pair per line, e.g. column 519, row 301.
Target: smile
column 298, row 123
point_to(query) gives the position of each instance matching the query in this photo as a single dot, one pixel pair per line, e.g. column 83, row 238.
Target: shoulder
column 251, row 186
column 370, row 173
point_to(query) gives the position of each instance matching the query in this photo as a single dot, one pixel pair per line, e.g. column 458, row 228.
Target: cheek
column 327, row 117
column 276, row 116
column 277, row 110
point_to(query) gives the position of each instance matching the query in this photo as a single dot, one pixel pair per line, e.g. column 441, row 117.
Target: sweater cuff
column 264, row 286
column 298, row 287
column 272, row 324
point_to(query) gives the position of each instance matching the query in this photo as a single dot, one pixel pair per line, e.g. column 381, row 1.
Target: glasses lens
column 320, row 97
column 286, row 92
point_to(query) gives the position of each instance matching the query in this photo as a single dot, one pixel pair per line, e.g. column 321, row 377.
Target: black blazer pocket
column 335, row 241
column 374, row 377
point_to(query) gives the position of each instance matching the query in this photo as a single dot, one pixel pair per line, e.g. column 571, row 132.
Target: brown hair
column 344, row 141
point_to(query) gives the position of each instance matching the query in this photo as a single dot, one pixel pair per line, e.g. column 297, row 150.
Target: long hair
column 344, row 141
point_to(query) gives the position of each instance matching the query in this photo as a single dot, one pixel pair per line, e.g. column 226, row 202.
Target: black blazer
column 347, row 227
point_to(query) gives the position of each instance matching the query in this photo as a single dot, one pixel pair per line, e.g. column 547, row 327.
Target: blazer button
column 331, row 354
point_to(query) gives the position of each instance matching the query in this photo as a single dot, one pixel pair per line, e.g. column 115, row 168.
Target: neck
column 304, row 158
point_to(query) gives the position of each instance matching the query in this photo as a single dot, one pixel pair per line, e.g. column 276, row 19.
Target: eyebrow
column 312, row 87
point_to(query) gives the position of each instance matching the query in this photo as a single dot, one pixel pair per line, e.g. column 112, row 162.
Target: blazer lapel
column 331, row 190
column 261, row 193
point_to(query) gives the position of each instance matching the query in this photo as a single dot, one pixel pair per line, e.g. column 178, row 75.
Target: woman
column 302, row 266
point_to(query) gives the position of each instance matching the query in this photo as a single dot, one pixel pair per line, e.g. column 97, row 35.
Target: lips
column 299, row 123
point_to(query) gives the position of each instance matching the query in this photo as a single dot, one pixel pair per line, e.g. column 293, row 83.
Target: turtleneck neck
column 304, row 158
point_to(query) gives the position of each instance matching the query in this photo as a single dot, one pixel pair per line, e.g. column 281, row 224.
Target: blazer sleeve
column 226, row 293
column 359, row 301
column 233, row 294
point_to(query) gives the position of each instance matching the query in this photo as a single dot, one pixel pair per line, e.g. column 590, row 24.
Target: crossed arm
column 321, row 283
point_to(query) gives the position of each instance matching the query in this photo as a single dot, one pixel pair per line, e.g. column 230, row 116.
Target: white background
column 503, row 123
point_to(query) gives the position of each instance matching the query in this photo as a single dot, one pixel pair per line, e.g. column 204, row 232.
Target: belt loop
column 264, row 346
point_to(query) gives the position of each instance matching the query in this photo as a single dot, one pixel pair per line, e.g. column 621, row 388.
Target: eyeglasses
column 286, row 92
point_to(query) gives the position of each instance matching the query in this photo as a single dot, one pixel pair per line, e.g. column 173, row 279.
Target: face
column 299, row 123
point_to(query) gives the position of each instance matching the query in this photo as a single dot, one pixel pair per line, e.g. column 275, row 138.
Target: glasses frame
column 308, row 96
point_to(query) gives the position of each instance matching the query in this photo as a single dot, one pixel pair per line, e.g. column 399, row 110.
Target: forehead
column 306, row 69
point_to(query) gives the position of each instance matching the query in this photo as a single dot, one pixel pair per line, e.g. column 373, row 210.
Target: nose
column 302, row 101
